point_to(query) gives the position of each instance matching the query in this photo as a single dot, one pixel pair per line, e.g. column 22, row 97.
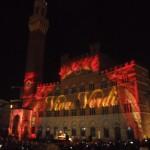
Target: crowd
column 11, row 143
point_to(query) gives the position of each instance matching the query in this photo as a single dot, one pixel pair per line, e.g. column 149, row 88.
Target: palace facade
column 88, row 101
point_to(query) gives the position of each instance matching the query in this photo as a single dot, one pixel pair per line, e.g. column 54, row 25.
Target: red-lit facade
column 107, row 104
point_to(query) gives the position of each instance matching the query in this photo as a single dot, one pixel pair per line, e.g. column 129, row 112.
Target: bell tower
column 38, row 25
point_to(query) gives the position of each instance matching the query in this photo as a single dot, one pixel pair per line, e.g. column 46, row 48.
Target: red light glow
column 90, row 63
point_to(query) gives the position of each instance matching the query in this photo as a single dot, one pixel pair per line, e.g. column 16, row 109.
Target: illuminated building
column 88, row 101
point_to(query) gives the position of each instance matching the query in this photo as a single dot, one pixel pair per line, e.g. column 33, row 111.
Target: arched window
column 74, row 132
column 106, row 133
column 130, row 133
column 117, row 133
column 83, row 131
column 55, row 130
column 93, row 131
column 47, row 132
column 39, row 132
column 15, row 125
column 65, row 129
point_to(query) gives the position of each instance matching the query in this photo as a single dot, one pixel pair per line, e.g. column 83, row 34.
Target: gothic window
column 74, row 132
column 92, row 111
column 48, row 113
column 56, row 113
column 73, row 90
column 82, row 88
column 66, row 112
column 93, row 131
column 73, row 112
column 91, row 86
column 117, row 133
column 106, row 133
column 82, row 112
column 55, row 130
column 105, row 110
column 65, row 129
column 47, row 132
column 103, row 84
column 130, row 133
column 115, row 109
column 83, row 131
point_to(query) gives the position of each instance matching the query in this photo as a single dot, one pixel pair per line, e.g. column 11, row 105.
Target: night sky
column 121, row 28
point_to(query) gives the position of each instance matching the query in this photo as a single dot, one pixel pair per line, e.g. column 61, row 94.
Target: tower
column 38, row 26
column 20, row 119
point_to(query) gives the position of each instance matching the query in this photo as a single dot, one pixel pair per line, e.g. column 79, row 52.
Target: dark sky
column 121, row 27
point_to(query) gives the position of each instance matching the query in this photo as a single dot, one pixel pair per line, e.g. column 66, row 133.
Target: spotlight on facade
column 11, row 106
column 131, row 142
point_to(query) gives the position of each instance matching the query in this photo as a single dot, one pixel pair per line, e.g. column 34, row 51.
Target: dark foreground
column 12, row 143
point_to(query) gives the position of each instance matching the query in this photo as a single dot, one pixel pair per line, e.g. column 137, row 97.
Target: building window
column 103, row 84
column 74, row 132
column 82, row 112
column 56, row 113
column 73, row 112
column 83, row 132
column 57, row 92
column 55, row 130
column 82, row 88
column 41, row 114
column 66, row 112
column 127, row 108
column 48, row 113
column 65, row 129
column 115, row 109
column 47, row 132
column 114, row 83
column 91, row 86
column 33, row 130
column 105, row 110
column 37, row 10
column 65, row 91
column 92, row 111
column 93, row 132
column 73, row 90
column 117, row 133
column 130, row 133
column 39, row 132
column 106, row 133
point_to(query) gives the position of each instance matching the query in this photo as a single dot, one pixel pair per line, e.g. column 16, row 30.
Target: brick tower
column 38, row 26
column 21, row 119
